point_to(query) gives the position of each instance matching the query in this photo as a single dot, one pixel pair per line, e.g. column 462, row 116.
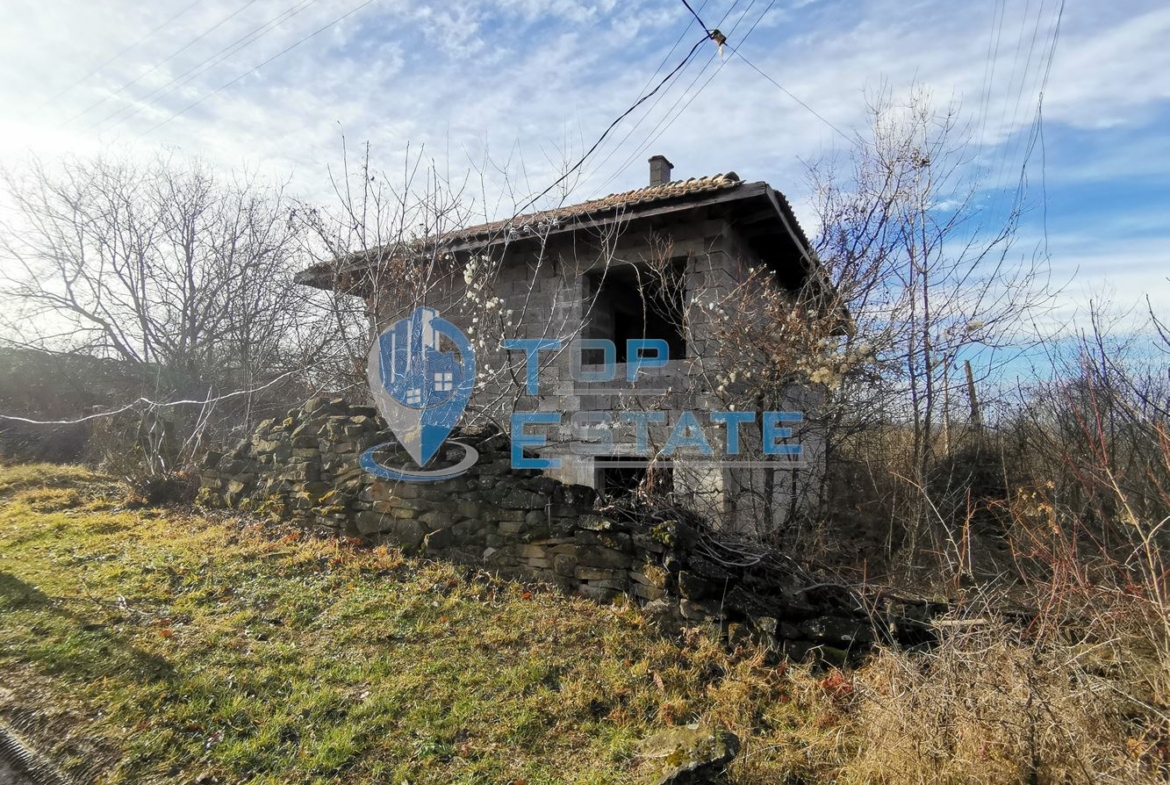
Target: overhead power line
column 1011, row 145
column 655, row 131
column 253, row 70
column 782, row 88
column 152, row 404
column 119, row 54
column 612, row 125
column 650, row 109
column 671, row 115
column 203, row 66
column 697, row 17
column 664, row 124
column 1038, row 126
column 791, row 95
column 161, row 63
column 989, row 67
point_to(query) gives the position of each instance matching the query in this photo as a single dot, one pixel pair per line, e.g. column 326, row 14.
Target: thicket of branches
column 179, row 277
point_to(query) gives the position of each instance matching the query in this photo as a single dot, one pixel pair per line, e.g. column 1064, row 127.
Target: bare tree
column 163, row 266
column 391, row 241
column 929, row 277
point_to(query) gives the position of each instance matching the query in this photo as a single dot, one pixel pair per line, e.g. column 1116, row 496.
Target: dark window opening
column 629, row 480
column 629, row 303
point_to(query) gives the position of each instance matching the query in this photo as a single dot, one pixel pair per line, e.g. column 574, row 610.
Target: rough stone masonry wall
column 519, row 523
column 305, row 468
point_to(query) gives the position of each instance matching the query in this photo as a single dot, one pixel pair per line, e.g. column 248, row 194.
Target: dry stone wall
column 305, row 468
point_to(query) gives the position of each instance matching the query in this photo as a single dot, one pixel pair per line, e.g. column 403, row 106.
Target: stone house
column 626, row 266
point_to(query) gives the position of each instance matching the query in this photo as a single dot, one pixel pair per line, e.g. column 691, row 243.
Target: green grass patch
column 161, row 646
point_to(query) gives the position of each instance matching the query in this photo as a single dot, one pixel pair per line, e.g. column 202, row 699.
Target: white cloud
column 535, row 82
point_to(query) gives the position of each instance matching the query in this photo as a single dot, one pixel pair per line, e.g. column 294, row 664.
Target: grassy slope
column 164, row 646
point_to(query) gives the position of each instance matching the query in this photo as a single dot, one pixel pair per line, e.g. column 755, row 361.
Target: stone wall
column 518, row 523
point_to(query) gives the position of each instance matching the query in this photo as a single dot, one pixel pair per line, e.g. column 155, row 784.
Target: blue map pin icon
column 421, row 390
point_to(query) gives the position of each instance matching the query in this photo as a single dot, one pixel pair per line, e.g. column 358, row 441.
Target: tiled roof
column 607, row 208
column 640, row 196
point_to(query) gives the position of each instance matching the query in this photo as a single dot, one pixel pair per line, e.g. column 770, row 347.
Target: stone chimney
column 660, row 169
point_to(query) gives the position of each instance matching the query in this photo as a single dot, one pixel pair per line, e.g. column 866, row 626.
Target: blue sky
column 529, row 83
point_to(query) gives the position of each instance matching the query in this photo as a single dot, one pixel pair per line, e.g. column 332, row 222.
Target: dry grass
column 146, row 645
column 986, row 707
column 165, row 646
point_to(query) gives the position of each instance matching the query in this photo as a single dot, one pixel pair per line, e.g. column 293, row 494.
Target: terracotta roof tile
column 555, row 219
column 640, row 196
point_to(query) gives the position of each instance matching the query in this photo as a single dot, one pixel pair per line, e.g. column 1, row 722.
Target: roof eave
column 324, row 274
column 609, row 215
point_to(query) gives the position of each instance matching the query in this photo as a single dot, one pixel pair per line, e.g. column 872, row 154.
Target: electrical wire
column 697, row 18
column 667, row 123
column 656, row 131
column 999, row 167
column 716, row 36
column 650, row 109
column 253, row 70
column 1019, row 141
column 198, row 69
column 666, row 126
column 1026, row 138
column 1013, row 146
column 1037, row 131
column 118, row 55
column 160, row 64
column 989, row 66
column 611, row 126
column 791, row 95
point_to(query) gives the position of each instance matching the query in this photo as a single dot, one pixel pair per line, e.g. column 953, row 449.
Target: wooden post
column 976, row 419
column 946, row 412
